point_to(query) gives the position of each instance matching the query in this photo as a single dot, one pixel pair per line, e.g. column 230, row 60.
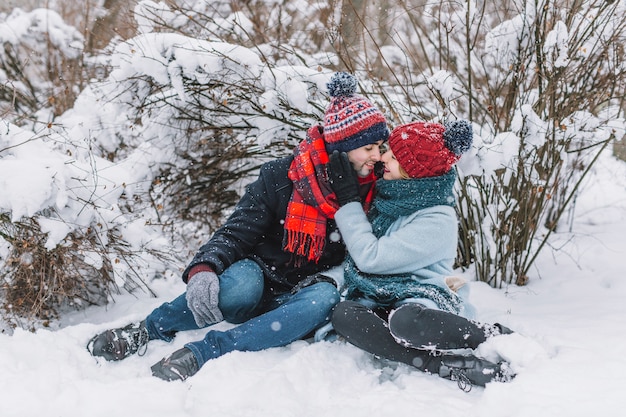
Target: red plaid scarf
column 313, row 201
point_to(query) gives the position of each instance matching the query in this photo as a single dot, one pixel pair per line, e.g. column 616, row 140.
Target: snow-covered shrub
column 197, row 117
column 66, row 238
column 41, row 66
column 543, row 83
column 39, row 283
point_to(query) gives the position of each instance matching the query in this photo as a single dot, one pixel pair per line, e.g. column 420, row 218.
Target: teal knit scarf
column 395, row 199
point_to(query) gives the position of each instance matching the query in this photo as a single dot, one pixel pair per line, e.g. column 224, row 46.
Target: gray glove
column 203, row 289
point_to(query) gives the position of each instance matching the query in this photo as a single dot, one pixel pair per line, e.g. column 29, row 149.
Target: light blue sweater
column 423, row 244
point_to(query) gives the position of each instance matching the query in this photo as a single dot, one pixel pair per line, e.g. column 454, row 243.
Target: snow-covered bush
column 543, row 83
column 549, row 84
column 198, row 116
column 41, row 66
column 66, row 239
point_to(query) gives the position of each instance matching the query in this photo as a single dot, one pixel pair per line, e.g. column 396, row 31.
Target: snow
column 556, row 42
column 33, row 26
column 568, row 348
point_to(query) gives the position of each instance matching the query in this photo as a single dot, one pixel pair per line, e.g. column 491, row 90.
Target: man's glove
column 379, row 169
column 343, row 178
column 203, row 289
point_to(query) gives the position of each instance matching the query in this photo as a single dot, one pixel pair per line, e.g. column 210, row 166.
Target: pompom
column 342, row 84
column 458, row 136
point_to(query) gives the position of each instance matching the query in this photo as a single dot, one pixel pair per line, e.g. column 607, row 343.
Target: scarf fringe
column 305, row 245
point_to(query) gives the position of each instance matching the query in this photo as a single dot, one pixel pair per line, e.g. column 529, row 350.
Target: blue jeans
column 264, row 324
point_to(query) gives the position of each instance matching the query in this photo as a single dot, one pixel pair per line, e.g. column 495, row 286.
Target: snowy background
column 568, row 349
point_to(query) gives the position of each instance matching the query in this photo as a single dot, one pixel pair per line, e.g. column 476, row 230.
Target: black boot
column 179, row 365
column 503, row 329
column 116, row 344
column 468, row 370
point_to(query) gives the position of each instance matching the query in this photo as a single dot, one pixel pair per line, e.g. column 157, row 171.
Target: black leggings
column 413, row 335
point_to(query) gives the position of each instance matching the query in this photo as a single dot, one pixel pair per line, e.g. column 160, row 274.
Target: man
column 260, row 269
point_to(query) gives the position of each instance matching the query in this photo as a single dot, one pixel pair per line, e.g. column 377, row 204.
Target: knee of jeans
column 325, row 293
column 242, row 309
column 318, row 300
column 241, row 291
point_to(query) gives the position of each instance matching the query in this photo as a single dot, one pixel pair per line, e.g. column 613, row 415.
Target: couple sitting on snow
column 278, row 267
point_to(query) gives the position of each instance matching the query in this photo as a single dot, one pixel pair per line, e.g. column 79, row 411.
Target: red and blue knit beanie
column 351, row 121
column 429, row 149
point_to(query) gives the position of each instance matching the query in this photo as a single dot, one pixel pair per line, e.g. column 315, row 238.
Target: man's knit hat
column 351, row 121
column 430, row 149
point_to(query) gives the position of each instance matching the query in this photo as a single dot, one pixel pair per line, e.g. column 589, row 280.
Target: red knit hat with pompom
column 425, row 149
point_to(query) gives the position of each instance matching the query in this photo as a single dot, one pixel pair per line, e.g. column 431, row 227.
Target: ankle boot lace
column 142, row 341
column 462, row 381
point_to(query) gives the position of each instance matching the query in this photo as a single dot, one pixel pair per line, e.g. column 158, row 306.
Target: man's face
column 364, row 158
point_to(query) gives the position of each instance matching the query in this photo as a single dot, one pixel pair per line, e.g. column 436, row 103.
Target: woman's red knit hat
column 426, row 149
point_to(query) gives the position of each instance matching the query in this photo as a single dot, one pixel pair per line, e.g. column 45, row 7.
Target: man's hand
column 203, row 290
column 343, row 178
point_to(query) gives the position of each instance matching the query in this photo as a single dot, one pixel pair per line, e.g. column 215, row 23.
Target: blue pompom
column 458, row 136
column 342, row 84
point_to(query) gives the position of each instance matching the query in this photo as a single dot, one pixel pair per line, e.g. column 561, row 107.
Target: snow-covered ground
column 569, row 349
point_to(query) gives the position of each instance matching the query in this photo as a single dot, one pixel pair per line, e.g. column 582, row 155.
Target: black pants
column 412, row 335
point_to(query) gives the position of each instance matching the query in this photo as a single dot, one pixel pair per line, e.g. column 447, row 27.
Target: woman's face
column 364, row 158
column 392, row 167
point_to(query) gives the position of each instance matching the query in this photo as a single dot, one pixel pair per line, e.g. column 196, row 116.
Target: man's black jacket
column 255, row 231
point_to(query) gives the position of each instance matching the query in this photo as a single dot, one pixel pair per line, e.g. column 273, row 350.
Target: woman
column 401, row 303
